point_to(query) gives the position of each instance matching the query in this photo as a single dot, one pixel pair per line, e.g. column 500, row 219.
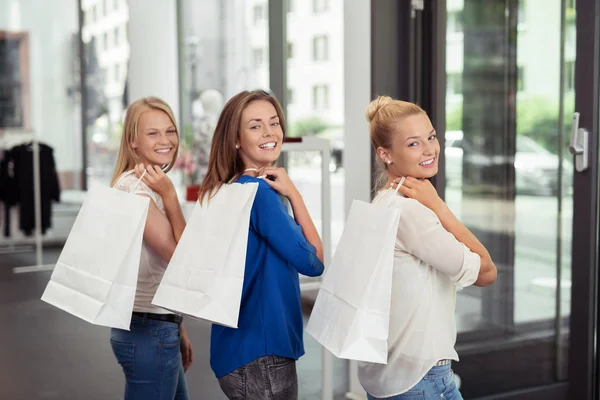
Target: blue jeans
column 266, row 378
column 437, row 384
column 151, row 360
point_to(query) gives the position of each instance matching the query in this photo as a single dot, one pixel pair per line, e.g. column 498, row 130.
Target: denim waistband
column 438, row 370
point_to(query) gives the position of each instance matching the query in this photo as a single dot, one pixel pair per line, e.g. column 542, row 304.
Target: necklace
column 251, row 169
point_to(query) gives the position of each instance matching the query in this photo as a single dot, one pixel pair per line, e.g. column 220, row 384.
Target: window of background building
column 116, row 33
column 259, row 13
column 290, row 50
column 123, row 34
column 116, row 4
column 320, row 97
column 94, row 13
column 105, row 41
column 320, row 6
column 104, row 8
column 117, row 73
column 320, row 48
column 14, row 56
column 290, row 96
column 290, row 5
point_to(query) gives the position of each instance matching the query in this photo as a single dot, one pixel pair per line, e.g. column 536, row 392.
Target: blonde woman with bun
column 434, row 255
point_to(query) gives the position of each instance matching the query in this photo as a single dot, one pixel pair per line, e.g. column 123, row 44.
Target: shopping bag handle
column 142, row 177
column 395, row 191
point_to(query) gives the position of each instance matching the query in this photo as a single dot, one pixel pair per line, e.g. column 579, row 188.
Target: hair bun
column 376, row 105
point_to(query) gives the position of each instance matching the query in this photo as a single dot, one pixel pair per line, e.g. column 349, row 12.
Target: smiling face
column 260, row 135
column 415, row 149
column 156, row 141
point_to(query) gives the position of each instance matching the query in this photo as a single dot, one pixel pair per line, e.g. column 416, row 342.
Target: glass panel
column 107, row 56
column 224, row 50
column 316, row 108
column 503, row 103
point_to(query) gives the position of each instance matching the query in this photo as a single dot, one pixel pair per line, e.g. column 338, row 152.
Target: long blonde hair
column 128, row 157
column 224, row 163
column 382, row 113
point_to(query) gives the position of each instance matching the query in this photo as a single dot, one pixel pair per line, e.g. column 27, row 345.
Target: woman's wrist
column 170, row 195
column 438, row 206
column 295, row 196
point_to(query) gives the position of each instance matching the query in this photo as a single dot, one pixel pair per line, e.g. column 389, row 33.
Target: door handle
column 579, row 144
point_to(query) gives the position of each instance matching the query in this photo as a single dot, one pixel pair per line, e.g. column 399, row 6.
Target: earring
column 389, row 162
column 237, row 146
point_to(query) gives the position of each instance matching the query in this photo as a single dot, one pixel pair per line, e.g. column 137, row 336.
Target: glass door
column 510, row 96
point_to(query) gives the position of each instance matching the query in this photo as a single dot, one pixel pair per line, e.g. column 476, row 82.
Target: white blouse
column 429, row 264
column 152, row 267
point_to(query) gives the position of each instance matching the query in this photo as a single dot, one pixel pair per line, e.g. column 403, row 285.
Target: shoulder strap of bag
column 395, row 192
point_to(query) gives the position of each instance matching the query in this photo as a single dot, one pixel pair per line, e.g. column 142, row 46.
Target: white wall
column 54, row 115
column 357, row 82
column 153, row 63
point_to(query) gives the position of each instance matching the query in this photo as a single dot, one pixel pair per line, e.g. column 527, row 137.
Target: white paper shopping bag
column 351, row 315
column 205, row 276
column 95, row 277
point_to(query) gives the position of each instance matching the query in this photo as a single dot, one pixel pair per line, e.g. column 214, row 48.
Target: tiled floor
column 46, row 353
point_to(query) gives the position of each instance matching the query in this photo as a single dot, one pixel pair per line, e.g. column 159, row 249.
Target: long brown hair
column 128, row 158
column 224, row 163
column 382, row 113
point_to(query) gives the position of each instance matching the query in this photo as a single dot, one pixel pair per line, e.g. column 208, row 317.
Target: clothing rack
column 11, row 245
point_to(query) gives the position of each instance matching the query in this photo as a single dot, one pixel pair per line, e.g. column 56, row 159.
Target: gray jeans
column 266, row 378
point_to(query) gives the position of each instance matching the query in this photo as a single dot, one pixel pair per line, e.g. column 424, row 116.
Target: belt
column 174, row 318
column 443, row 362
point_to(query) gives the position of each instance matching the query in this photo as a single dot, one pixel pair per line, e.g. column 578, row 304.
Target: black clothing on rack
column 17, row 179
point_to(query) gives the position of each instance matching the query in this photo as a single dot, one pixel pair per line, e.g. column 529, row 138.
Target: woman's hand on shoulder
column 155, row 179
column 279, row 180
column 421, row 190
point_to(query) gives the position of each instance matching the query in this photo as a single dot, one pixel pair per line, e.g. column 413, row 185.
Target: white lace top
column 152, row 267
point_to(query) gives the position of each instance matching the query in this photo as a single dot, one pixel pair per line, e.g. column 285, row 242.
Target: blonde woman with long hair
column 434, row 254
column 156, row 352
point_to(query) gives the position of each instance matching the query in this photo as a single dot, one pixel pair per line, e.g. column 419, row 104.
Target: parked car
column 536, row 168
